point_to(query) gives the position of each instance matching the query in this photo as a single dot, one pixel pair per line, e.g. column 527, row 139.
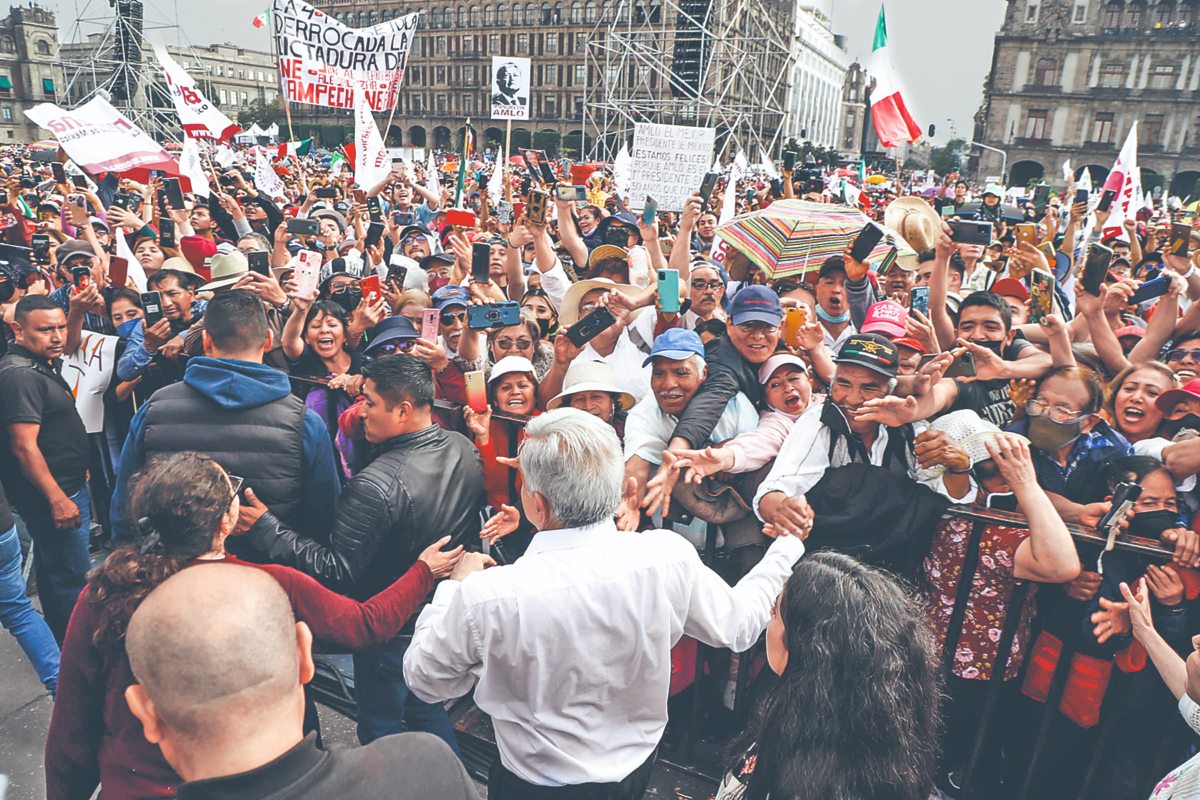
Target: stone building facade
column 29, row 69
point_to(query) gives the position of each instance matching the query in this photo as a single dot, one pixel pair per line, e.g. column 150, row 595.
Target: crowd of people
column 535, row 451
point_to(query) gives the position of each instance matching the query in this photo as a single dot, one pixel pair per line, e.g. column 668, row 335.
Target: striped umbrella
column 794, row 237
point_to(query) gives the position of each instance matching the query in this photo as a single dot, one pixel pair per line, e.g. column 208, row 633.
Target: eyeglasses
column 412, row 237
column 587, row 308
column 451, row 317
column 236, row 483
column 756, row 328
column 1037, row 407
column 1179, row 355
column 700, row 284
column 392, row 348
column 507, row 344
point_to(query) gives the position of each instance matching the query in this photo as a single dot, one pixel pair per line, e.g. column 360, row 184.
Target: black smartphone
column 3, row 197
column 152, row 305
column 166, row 232
column 970, row 232
column 259, row 261
column 918, row 299
column 1041, row 197
column 40, row 245
column 1081, row 196
column 303, row 227
column 617, row 235
column 337, row 265
column 1106, row 200
column 789, row 160
column 374, row 211
column 173, row 193
column 81, row 276
column 481, row 255
column 706, row 187
column 865, row 242
column 80, row 181
column 586, row 329
column 403, row 218
column 1181, row 235
column 374, row 234
column 396, row 274
column 1095, row 269
column 962, row 367
column 58, row 171
column 547, row 174
column 326, row 192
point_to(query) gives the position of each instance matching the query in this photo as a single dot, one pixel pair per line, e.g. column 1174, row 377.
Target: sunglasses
column 237, row 483
column 1179, row 355
column 392, row 348
column 451, row 317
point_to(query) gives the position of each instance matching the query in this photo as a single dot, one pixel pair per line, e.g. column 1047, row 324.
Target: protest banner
column 510, row 88
column 668, row 162
column 323, row 62
column 199, row 117
column 192, row 167
column 371, row 160
column 265, row 178
column 99, row 138
column 88, row 371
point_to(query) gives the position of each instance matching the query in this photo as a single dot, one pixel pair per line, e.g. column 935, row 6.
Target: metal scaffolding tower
column 722, row 64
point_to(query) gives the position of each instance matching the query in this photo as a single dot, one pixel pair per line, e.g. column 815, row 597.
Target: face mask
column 1047, row 435
column 1151, row 524
column 436, row 283
column 832, row 320
column 1001, row 501
column 995, row 347
column 126, row 328
column 547, row 327
column 7, row 290
column 1172, row 427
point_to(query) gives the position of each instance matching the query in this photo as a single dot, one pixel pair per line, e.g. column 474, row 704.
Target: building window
column 1080, row 12
column 468, row 103
column 439, row 75
column 1133, row 19
column 1031, row 12
column 522, row 43
column 1151, row 132
column 7, row 113
column 1162, row 16
column 494, row 44
column 245, row 99
column 550, row 106
column 517, row 17
column 441, row 104
column 1162, row 76
column 1113, row 76
column 48, row 85
column 576, row 13
column 5, row 84
column 1046, row 72
column 1112, row 16
column 474, row 16
column 552, row 43
column 489, row 16
column 1035, row 124
column 42, row 47
column 589, row 11
column 1102, row 127
column 224, row 97
column 580, row 74
column 468, row 45
column 439, row 46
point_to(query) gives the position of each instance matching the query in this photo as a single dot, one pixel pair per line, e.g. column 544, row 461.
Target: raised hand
column 441, row 562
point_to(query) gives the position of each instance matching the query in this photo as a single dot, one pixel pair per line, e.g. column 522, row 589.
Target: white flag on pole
column 431, row 176
column 1124, row 179
column 495, row 185
column 135, row 272
column 199, row 117
column 371, row 160
column 191, row 168
column 623, row 172
column 265, row 178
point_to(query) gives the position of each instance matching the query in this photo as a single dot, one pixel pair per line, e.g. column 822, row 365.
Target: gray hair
column 573, row 460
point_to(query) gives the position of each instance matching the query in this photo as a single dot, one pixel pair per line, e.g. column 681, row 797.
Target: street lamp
column 1003, row 157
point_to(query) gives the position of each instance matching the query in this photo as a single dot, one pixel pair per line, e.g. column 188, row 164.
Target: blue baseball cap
column 755, row 304
column 451, row 295
column 676, row 344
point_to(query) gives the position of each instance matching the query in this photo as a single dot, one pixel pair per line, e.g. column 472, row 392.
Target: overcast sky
column 943, row 48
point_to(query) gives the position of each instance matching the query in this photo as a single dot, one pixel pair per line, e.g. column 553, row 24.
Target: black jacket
column 728, row 374
column 421, row 487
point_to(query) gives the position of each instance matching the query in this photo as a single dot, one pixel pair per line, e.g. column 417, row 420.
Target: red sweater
column 95, row 739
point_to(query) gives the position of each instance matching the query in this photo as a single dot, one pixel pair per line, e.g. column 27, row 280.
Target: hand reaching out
column 441, row 562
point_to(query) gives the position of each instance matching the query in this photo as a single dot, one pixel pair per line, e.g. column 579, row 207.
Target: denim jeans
column 60, row 561
column 386, row 706
column 18, row 616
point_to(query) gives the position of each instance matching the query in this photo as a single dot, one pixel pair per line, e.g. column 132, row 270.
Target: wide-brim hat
column 568, row 313
column 226, row 269
column 590, row 376
column 606, row 251
column 915, row 220
column 509, row 365
column 969, row 431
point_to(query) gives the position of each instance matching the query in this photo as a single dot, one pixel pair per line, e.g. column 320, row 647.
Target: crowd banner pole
column 287, row 106
column 504, row 162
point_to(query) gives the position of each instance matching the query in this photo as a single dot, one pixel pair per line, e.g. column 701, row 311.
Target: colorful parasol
column 794, row 237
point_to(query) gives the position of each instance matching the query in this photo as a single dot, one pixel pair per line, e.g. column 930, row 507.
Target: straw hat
column 226, row 269
column 568, row 313
column 969, row 431
column 915, row 221
column 590, row 376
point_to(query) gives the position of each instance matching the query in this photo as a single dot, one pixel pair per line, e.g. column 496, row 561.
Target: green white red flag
column 893, row 122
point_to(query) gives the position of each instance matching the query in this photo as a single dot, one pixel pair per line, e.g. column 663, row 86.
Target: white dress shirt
column 804, row 458
column 648, row 429
column 569, row 648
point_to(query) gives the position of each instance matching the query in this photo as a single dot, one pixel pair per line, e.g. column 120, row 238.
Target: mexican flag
column 262, row 19
column 468, row 148
column 893, row 123
column 299, row 148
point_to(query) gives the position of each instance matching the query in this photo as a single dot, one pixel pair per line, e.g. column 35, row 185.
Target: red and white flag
column 1126, row 180
column 371, row 160
column 262, row 19
column 893, row 123
column 199, row 117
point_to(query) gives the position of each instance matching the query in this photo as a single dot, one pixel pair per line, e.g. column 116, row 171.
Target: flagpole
column 507, row 155
column 287, row 106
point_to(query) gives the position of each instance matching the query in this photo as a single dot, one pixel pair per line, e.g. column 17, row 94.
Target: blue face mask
column 832, row 320
column 126, row 328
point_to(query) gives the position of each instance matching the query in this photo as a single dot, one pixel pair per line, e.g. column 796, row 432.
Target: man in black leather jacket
column 425, row 483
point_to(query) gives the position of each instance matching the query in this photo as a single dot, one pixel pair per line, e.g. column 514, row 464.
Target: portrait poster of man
column 510, row 88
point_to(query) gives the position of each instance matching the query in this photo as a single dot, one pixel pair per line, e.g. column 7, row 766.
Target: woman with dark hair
column 186, row 506
column 855, row 712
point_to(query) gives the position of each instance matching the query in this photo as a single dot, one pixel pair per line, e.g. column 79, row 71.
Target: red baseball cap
column 1010, row 287
column 1167, row 400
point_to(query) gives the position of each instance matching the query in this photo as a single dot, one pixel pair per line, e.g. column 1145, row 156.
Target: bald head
column 214, row 647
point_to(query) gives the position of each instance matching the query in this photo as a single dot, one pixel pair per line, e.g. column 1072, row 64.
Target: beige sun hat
column 915, row 220
column 568, row 313
column 969, row 431
column 590, row 376
column 226, row 269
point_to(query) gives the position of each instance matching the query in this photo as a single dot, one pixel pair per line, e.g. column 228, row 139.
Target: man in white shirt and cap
column 568, row 649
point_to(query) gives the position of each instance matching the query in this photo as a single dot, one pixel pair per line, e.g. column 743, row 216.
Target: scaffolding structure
column 722, row 64
column 110, row 56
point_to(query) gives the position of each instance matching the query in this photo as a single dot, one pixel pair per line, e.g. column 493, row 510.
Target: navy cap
column 389, row 330
column 677, row 344
column 451, row 295
column 870, row 350
column 427, row 262
column 755, row 304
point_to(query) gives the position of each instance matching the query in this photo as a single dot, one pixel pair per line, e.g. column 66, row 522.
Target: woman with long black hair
column 855, row 713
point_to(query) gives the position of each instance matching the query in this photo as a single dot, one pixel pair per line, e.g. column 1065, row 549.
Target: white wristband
column 1187, row 276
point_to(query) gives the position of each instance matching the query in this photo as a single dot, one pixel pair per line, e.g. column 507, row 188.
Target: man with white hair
column 570, row 646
